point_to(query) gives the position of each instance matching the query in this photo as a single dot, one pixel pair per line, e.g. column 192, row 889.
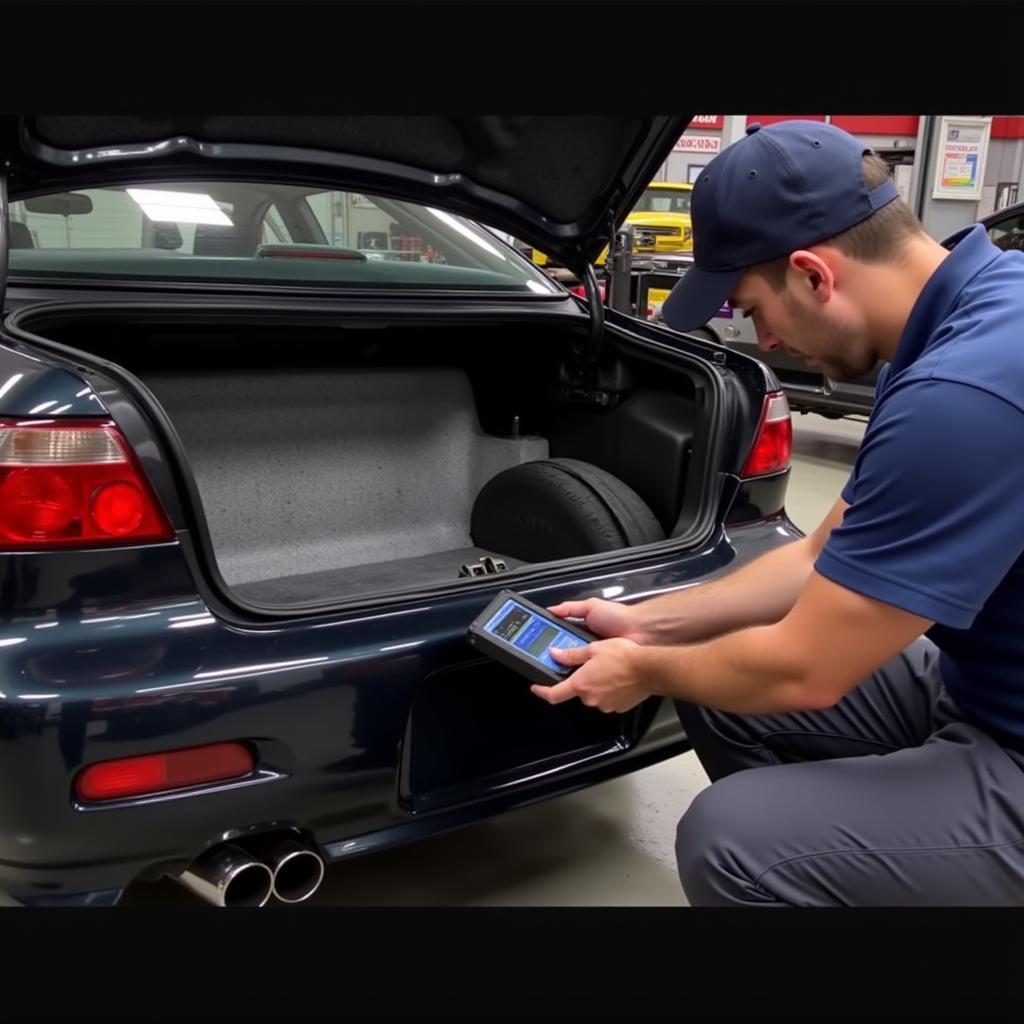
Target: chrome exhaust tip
column 298, row 875
column 227, row 876
column 297, row 870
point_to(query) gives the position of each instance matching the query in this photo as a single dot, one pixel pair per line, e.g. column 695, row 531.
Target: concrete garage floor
column 611, row 845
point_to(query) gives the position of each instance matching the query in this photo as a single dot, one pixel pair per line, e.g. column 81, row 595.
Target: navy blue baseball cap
column 782, row 187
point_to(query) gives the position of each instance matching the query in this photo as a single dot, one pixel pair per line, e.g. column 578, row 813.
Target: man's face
column 825, row 335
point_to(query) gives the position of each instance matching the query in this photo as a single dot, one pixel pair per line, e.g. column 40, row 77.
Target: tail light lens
column 773, row 444
column 73, row 483
column 155, row 773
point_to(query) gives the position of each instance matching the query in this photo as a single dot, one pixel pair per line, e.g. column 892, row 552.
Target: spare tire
column 560, row 508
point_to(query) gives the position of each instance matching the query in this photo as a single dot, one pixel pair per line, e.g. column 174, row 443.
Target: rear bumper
column 347, row 754
column 90, row 861
column 102, row 880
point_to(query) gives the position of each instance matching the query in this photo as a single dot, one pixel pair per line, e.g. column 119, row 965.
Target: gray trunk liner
column 317, row 485
column 401, row 574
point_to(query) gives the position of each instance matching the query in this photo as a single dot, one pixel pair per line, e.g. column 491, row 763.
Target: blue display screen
column 531, row 634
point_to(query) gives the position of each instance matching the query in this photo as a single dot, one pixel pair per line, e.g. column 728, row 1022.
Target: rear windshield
column 243, row 232
column 1009, row 232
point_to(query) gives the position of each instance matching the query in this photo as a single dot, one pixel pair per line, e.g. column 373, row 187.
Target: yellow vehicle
column 661, row 218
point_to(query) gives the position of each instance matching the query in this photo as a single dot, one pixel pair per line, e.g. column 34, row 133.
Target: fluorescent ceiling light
column 179, row 207
column 465, row 231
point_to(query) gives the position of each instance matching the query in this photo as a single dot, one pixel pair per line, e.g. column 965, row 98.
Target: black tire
column 560, row 508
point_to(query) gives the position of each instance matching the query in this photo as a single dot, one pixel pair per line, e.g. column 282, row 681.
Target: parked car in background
column 278, row 419
column 660, row 220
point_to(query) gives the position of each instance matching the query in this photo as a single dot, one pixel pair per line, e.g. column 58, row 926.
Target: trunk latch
column 487, row 566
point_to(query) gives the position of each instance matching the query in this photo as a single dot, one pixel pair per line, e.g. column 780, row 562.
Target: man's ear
column 815, row 275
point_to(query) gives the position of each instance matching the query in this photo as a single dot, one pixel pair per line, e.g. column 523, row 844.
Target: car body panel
column 118, row 652
column 29, row 387
column 133, row 660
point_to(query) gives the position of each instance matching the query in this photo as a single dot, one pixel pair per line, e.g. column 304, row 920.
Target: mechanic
column 857, row 696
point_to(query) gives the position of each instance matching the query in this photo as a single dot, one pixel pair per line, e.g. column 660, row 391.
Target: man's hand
column 605, row 678
column 830, row 641
column 603, row 618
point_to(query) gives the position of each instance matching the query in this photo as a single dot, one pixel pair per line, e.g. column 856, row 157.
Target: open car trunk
column 335, row 459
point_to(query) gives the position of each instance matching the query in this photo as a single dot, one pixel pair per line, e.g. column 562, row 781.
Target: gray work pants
column 888, row 798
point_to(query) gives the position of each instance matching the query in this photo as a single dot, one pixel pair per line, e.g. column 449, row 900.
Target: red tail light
column 155, row 773
column 73, row 483
column 773, row 445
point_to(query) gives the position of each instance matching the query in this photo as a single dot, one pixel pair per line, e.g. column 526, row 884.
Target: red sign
column 1008, row 126
column 877, row 124
column 698, row 144
column 710, row 122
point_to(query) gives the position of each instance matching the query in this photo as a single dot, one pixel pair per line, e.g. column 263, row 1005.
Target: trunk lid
column 559, row 182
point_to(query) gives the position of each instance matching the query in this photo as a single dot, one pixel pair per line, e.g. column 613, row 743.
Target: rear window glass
column 1008, row 233
column 245, row 232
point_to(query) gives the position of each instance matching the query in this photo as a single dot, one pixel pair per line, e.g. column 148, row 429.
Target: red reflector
column 154, row 773
column 118, row 508
column 73, row 483
column 773, row 445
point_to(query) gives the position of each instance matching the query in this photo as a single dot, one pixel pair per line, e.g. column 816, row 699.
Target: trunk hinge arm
column 585, row 379
column 592, row 349
column 5, row 235
column 617, row 296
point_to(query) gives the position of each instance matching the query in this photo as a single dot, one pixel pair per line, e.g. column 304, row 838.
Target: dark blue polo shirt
column 936, row 518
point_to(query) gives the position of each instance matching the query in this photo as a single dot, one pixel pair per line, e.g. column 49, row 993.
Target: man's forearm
column 760, row 593
column 828, row 643
column 747, row 672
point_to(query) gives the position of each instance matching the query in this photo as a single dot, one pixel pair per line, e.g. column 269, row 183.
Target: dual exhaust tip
column 248, row 872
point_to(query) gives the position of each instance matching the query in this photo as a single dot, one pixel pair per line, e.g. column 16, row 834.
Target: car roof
column 1006, row 212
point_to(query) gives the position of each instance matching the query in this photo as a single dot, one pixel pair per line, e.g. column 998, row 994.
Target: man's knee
column 717, row 842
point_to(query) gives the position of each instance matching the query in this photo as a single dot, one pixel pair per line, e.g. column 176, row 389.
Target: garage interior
column 610, row 844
